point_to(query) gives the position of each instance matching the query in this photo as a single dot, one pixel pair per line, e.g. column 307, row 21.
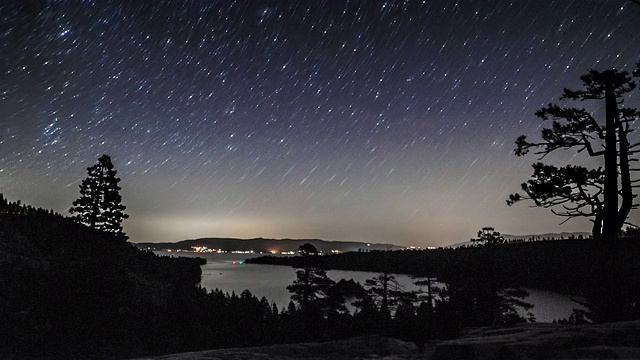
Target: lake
column 227, row 273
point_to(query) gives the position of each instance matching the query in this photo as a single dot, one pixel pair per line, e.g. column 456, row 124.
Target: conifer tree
column 386, row 291
column 488, row 236
column 604, row 195
column 100, row 203
column 312, row 283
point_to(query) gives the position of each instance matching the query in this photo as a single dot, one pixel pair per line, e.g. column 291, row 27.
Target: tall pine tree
column 100, row 203
column 604, row 195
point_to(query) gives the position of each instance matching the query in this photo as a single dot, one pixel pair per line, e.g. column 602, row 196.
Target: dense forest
column 17, row 207
column 70, row 291
column 67, row 291
column 549, row 265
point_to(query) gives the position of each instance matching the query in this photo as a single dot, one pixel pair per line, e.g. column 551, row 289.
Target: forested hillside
column 70, row 291
column 568, row 266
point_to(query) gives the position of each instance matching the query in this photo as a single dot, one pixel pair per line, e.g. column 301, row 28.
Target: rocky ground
column 546, row 341
column 526, row 341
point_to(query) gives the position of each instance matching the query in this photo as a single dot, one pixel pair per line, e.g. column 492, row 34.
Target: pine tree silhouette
column 604, row 195
column 100, row 203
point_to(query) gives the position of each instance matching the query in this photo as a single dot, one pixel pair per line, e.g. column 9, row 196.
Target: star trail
column 378, row 121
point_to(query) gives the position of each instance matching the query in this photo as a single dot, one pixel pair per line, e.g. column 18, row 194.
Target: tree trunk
column 306, row 293
column 385, row 288
column 596, row 230
column 625, row 177
column 610, row 217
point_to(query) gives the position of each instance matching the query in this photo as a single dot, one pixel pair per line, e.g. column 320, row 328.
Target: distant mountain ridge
column 267, row 245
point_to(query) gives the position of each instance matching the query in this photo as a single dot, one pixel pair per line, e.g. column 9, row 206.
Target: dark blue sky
column 381, row 121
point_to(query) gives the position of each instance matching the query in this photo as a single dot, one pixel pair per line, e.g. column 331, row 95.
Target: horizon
column 381, row 121
column 562, row 234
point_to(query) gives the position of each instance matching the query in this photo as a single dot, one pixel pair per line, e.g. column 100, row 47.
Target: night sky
column 377, row 121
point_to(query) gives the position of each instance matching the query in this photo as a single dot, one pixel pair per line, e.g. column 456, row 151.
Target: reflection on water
column 225, row 272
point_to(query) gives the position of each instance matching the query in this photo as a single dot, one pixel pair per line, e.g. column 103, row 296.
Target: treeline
column 382, row 306
column 603, row 272
column 566, row 266
column 17, row 208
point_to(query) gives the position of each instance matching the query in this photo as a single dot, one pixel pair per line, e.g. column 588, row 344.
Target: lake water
column 227, row 273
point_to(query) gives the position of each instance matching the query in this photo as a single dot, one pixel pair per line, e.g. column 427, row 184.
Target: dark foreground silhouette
column 69, row 291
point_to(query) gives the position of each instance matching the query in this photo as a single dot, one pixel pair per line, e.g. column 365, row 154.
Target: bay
column 229, row 273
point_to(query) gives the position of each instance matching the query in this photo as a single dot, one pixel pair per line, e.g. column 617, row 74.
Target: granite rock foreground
column 546, row 341
column 526, row 341
column 368, row 347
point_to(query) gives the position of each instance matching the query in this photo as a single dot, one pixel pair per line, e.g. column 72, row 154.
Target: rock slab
column 546, row 341
column 368, row 347
column 520, row 342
